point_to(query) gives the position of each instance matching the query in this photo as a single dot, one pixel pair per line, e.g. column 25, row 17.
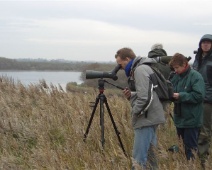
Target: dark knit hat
column 206, row 37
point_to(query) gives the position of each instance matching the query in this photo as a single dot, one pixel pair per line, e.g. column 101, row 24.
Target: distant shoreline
column 43, row 65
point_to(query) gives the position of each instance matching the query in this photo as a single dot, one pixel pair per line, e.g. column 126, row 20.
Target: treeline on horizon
column 49, row 65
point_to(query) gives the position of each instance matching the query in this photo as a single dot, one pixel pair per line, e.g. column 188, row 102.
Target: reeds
column 43, row 127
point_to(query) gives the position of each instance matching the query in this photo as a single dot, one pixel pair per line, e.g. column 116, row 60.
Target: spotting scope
column 91, row 74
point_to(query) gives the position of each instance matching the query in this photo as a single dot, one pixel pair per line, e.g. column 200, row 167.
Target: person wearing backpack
column 189, row 94
column 147, row 111
column 203, row 64
column 159, row 54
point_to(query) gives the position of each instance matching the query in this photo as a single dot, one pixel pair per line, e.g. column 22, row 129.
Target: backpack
column 161, row 85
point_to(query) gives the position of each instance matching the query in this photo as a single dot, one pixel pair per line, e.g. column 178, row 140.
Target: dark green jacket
column 188, row 109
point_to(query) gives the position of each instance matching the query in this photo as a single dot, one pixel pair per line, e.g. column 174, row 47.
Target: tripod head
column 101, row 83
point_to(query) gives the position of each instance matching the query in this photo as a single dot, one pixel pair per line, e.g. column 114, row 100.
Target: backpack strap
column 134, row 66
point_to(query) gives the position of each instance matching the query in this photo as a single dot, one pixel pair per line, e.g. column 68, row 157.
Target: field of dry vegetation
column 42, row 128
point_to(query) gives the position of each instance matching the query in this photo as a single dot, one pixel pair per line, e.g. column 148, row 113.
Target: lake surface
column 33, row 77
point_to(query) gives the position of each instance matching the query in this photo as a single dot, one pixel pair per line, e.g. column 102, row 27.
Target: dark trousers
column 205, row 133
column 190, row 140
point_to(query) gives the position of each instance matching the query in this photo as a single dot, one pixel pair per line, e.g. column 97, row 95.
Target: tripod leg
column 115, row 127
column 91, row 118
column 102, row 119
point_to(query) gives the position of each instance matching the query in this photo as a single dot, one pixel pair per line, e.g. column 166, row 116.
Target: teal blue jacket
column 188, row 109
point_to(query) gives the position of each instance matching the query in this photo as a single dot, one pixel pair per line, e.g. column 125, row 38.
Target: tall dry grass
column 42, row 127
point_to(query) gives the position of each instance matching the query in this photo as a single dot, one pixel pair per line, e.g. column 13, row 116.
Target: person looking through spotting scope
column 147, row 111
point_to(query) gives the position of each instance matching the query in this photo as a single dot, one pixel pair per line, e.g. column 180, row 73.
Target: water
column 33, row 77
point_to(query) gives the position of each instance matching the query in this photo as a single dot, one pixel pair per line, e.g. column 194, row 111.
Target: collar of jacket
column 188, row 69
column 128, row 68
column 200, row 52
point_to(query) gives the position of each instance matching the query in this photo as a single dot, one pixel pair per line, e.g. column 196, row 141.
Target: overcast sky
column 93, row 30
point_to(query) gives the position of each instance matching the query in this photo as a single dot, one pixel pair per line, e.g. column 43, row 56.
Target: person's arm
column 197, row 93
column 144, row 91
column 127, row 93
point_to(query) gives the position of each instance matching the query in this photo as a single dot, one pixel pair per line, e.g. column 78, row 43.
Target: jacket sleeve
column 144, row 90
column 195, row 63
column 197, row 92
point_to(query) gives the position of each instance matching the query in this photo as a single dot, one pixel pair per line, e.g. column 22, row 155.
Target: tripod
column 103, row 100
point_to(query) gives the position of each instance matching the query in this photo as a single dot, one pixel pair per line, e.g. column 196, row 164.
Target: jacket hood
column 205, row 37
column 156, row 53
column 143, row 60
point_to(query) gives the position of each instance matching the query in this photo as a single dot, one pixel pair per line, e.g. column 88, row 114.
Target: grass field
column 42, row 128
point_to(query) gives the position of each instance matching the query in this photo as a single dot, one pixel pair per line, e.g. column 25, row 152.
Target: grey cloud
column 24, row 27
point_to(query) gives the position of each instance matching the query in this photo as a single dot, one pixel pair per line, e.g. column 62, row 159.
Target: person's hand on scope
column 127, row 93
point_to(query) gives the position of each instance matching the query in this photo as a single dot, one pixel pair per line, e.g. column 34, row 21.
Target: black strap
column 146, row 113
